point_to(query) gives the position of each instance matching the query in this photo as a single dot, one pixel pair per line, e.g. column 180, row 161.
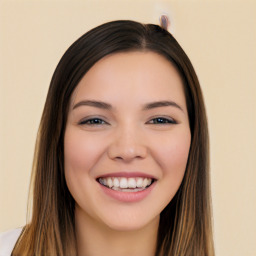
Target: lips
column 126, row 184
column 127, row 187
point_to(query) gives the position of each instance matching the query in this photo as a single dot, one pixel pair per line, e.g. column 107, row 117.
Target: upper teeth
column 122, row 182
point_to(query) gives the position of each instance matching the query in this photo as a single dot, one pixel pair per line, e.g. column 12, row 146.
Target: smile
column 124, row 184
column 127, row 187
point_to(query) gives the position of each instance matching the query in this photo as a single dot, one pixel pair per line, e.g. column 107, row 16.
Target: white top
column 8, row 240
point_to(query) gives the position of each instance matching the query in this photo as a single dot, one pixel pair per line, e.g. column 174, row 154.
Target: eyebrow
column 93, row 103
column 107, row 106
column 158, row 104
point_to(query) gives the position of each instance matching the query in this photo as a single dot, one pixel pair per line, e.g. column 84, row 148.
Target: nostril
column 127, row 152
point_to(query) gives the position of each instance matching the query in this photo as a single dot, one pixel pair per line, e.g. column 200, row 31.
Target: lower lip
column 128, row 196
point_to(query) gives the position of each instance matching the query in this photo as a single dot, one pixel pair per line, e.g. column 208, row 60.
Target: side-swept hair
column 185, row 227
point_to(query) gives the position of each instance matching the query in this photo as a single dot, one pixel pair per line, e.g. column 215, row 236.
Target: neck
column 97, row 239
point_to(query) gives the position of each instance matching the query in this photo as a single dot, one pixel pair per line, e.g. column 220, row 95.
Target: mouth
column 126, row 184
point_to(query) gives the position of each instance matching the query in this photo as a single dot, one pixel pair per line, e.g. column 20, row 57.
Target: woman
column 121, row 162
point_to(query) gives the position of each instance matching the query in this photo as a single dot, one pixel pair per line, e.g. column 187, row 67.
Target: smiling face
column 127, row 140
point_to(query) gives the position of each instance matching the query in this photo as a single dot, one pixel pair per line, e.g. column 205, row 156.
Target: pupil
column 160, row 120
column 95, row 121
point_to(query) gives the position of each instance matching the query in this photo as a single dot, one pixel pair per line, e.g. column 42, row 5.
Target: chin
column 130, row 222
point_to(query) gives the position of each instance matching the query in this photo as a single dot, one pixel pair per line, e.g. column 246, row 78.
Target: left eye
column 93, row 121
column 162, row 120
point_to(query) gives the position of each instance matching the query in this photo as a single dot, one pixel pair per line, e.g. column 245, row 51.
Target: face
column 127, row 140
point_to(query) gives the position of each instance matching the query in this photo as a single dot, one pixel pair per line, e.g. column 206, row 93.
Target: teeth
column 105, row 182
column 108, row 182
column 139, row 183
column 116, row 182
column 132, row 183
column 145, row 183
column 122, row 183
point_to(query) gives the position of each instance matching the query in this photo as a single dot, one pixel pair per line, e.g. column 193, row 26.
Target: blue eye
column 162, row 120
column 93, row 121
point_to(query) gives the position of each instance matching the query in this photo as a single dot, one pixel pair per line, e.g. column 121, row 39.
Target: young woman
column 121, row 162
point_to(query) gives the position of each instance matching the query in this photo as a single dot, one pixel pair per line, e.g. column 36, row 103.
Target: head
column 185, row 220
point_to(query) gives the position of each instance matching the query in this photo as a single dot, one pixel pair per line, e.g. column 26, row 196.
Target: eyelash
column 163, row 121
column 86, row 122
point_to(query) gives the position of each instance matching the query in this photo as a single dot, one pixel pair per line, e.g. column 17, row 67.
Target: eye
column 162, row 120
column 92, row 121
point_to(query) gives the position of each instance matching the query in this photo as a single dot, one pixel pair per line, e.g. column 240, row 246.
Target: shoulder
column 8, row 240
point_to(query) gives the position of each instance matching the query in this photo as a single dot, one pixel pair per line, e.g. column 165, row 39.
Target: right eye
column 162, row 120
column 92, row 122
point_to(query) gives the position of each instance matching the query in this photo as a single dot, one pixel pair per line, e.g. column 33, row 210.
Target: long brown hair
column 185, row 224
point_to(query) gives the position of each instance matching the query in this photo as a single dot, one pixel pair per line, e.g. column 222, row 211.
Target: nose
column 127, row 144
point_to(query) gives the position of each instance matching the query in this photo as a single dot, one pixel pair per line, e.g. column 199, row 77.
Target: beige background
column 220, row 39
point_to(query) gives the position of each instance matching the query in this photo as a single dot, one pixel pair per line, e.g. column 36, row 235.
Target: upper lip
column 127, row 174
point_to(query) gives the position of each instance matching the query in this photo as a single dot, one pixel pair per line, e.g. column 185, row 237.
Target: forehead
column 131, row 75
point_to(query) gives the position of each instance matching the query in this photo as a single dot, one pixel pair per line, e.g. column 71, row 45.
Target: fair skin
column 127, row 139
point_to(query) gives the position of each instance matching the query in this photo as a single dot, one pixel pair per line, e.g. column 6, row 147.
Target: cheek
column 80, row 155
column 173, row 153
column 80, row 152
column 173, row 156
column 177, row 155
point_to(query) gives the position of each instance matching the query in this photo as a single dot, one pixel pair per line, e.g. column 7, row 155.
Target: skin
column 127, row 138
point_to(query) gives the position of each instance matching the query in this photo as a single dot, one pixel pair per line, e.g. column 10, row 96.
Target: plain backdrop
column 218, row 36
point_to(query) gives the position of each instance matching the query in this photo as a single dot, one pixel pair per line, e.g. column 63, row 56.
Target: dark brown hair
column 185, row 224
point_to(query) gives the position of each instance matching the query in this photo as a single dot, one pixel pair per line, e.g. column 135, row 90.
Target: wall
column 218, row 36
